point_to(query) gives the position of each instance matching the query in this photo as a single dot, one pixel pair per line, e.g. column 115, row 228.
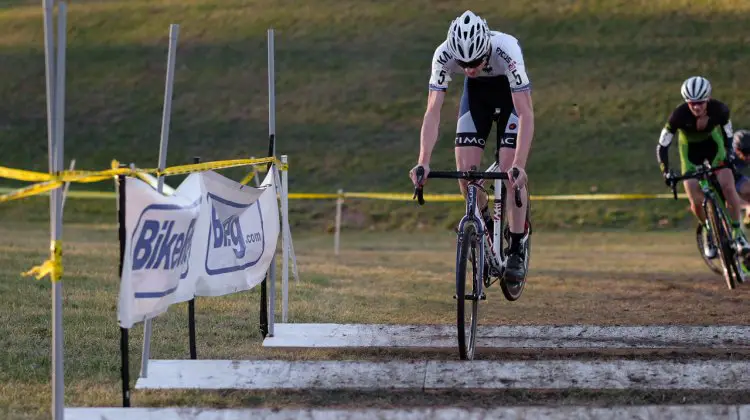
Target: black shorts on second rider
column 481, row 98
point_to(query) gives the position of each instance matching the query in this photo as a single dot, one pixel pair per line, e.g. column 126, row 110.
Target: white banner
column 212, row 237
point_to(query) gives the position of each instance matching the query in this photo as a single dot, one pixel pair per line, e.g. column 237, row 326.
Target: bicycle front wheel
column 467, row 290
column 701, row 236
column 722, row 239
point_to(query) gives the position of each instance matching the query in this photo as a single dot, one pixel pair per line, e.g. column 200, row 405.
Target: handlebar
column 468, row 175
column 702, row 171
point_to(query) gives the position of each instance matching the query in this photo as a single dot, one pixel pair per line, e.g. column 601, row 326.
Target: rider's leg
column 695, row 197
column 466, row 157
column 516, row 215
column 473, row 127
column 726, row 180
column 515, row 268
column 742, row 186
column 692, row 154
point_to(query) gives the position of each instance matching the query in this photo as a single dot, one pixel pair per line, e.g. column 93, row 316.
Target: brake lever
column 419, row 191
column 673, row 184
column 516, row 190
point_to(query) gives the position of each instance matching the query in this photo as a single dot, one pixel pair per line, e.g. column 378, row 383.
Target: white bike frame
column 497, row 214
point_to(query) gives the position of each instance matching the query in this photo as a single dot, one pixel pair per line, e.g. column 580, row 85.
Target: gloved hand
column 413, row 175
column 669, row 177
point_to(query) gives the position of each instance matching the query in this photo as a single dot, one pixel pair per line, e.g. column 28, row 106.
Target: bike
column 719, row 223
column 479, row 251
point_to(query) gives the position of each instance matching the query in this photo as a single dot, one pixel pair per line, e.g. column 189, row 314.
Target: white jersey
column 506, row 59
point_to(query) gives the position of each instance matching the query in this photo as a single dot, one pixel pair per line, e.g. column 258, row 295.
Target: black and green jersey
column 713, row 142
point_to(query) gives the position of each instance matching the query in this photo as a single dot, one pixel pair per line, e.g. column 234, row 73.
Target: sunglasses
column 471, row 64
column 691, row 103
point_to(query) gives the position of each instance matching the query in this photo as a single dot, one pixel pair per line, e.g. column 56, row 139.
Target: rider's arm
column 520, row 86
column 430, row 123
column 722, row 134
column 727, row 131
column 440, row 77
column 662, row 148
column 674, row 122
column 525, row 111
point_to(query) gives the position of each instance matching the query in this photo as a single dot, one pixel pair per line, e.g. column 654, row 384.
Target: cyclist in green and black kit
column 704, row 131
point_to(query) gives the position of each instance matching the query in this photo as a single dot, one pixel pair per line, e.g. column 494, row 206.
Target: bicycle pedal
column 483, row 297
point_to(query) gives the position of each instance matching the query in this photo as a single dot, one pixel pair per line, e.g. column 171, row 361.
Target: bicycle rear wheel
column 722, row 240
column 467, row 277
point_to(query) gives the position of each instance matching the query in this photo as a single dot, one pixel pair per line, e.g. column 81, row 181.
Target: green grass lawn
column 351, row 79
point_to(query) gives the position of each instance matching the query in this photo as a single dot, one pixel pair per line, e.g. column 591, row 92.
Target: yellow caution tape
column 47, row 182
column 52, row 267
column 588, row 197
column 94, row 176
column 209, row 166
column 30, row 191
column 71, row 193
column 312, row 196
column 249, row 177
column 142, row 176
column 23, row 175
column 11, row 194
column 459, row 197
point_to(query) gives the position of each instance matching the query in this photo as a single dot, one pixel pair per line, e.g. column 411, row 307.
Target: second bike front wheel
column 701, row 236
column 722, row 240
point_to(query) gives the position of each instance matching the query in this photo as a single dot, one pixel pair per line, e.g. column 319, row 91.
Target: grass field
column 602, row 278
column 351, row 82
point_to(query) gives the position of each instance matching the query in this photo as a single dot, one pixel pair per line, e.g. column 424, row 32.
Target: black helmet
column 741, row 141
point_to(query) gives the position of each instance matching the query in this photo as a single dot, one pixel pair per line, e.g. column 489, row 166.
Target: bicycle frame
column 709, row 185
column 473, row 215
column 715, row 193
column 498, row 217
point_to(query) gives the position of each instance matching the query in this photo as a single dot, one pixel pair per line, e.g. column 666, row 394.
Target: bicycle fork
column 473, row 215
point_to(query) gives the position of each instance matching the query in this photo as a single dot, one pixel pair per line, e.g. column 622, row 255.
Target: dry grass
column 593, row 278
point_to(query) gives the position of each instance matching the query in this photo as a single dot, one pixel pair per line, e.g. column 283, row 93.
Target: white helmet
column 468, row 37
column 696, row 88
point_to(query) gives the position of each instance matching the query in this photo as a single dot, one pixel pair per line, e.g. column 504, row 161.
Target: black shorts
column 700, row 151
column 483, row 100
